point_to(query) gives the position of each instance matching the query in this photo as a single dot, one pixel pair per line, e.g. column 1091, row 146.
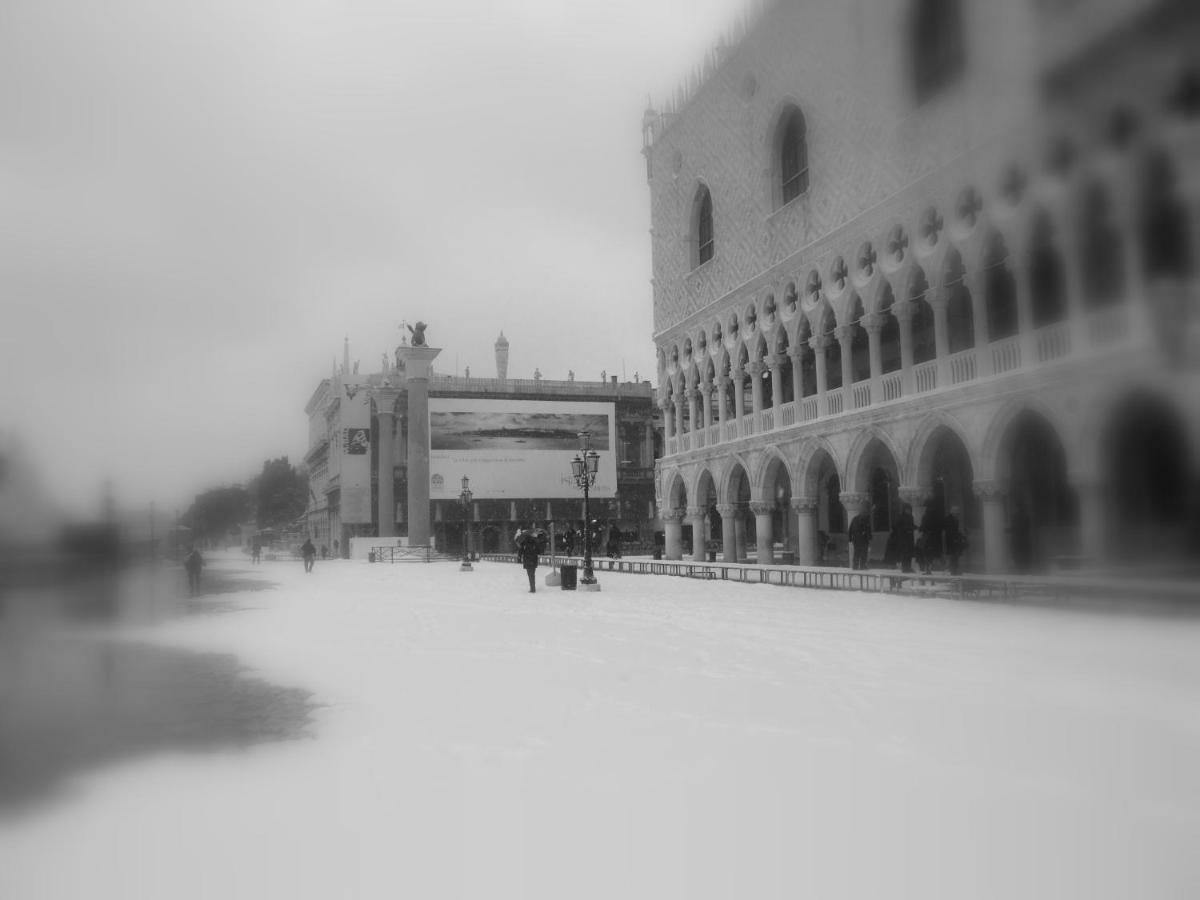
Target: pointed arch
column 789, row 156
column 700, row 230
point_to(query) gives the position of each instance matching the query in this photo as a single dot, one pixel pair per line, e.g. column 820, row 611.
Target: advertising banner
column 517, row 448
column 354, row 456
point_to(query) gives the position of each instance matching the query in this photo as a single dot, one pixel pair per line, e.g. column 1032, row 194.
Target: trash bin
column 569, row 575
column 370, row 556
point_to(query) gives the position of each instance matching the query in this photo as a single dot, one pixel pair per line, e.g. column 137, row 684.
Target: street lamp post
column 465, row 499
column 584, row 467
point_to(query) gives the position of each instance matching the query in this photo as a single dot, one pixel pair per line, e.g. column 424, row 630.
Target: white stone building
column 941, row 252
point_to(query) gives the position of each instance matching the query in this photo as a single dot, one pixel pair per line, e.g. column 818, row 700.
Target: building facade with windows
column 934, row 252
column 514, row 437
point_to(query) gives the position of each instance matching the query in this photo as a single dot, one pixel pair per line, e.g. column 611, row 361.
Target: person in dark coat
column 527, row 554
column 931, row 537
column 904, row 535
column 859, row 534
column 193, row 564
column 309, row 552
column 569, row 541
column 956, row 541
column 614, row 542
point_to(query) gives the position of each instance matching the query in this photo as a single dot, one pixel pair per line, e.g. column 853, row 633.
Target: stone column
column 722, row 385
column 979, row 321
column 995, row 539
column 728, row 513
column 874, row 324
column 385, row 397
column 706, row 392
column 693, row 399
column 1024, row 290
column 696, row 515
column 845, row 337
column 1093, row 520
column 797, row 382
column 739, row 390
column 739, row 534
column 764, row 527
column 817, row 343
column 941, row 338
column 777, row 386
column 805, row 509
column 673, row 532
column 417, row 363
column 756, row 369
column 1072, row 259
column 679, row 401
column 904, row 312
column 668, row 419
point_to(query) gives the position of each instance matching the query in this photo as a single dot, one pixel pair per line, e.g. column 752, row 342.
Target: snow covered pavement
column 663, row 738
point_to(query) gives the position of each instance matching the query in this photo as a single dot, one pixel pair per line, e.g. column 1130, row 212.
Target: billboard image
column 517, row 448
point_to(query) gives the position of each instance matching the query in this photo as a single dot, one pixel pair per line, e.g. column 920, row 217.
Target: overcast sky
column 198, row 201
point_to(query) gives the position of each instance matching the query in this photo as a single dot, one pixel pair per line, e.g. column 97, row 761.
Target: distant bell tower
column 502, row 357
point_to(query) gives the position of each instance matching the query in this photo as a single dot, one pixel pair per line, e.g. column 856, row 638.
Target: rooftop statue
column 418, row 334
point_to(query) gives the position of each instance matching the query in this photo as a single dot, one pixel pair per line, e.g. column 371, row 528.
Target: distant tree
column 216, row 512
column 281, row 493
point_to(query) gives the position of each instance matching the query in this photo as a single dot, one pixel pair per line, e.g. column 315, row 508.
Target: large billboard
column 517, row 448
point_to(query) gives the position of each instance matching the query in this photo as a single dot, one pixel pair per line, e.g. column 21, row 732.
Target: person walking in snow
column 859, row 534
column 527, row 554
column 309, row 552
column 193, row 564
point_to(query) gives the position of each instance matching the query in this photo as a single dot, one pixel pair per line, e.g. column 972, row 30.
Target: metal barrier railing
column 391, row 554
column 981, row 586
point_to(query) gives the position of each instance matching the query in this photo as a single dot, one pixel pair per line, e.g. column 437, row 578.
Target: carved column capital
column 777, row 360
column 722, row 382
column 819, row 342
column 761, row 507
column 989, row 490
column 674, row 515
column 854, row 500
column 805, row 504
column 904, row 310
column 727, row 510
column 755, row 368
column 913, row 496
column 844, row 333
column 697, row 512
column 873, row 322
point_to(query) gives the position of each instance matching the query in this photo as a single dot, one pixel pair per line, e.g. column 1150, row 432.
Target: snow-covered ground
column 665, row 738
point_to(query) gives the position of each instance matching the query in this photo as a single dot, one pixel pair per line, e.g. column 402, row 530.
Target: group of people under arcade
column 939, row 539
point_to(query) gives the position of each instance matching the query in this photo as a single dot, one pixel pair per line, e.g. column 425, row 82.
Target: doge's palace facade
column 935, row 252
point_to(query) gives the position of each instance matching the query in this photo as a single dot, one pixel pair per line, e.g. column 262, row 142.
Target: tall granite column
column 385, row 397
column 417, row 361
column 806, row 537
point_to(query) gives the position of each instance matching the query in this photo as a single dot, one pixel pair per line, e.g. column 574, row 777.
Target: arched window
column 793, row 156
column 937, row 47
column 960, row 317
column 1103, row 272
column 1047, row 283
column 1164, row 223
column 1001, row 292
column 702, row 227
